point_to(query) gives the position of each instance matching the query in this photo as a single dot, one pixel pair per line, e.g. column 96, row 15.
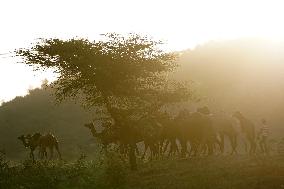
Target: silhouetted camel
column 223, row 125
column 169, row 134
column 48, row 141
column 197, row 129
column 248, row 128
column 150, row 130
column 31, row 142
column 110, row 136
column 124, row 136
column 106, row 137
column 41, row 141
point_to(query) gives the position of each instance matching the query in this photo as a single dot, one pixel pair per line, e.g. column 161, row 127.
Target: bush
column 106, row 171
column 115, row 174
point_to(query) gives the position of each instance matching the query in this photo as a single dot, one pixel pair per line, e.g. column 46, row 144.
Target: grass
column 219, row 172
column 108, row 171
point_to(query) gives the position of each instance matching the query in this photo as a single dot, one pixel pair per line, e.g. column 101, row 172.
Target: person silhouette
column 263, row 136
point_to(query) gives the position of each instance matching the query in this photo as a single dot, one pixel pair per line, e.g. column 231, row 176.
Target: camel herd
column 187, row 134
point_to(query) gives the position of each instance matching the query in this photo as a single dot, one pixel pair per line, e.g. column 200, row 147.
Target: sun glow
column 181, row 23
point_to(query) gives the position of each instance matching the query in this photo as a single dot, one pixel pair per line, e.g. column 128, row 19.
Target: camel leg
column 252, row 145
column 174, row 147
column 51, row 152
column 251, row 149
column 32, row 155
column 146, row 146
column 137, row 150
column 132, row 157
column 151, row 151
column 171, row 148
column 194, row 148
column 222, row 142
column 45, row 153
column 57, row 149
column 234, row 145
column 231, row 139
column 166, row 146
column 161, row 143
column 183, row 147
column 210, row 148
column 191, row 149
column 246, row 146
column 266, row 148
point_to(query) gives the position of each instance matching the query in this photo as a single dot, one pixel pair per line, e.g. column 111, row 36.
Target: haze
column 181, row 23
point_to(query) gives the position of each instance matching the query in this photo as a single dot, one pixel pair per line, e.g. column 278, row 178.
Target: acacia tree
column 116, row 73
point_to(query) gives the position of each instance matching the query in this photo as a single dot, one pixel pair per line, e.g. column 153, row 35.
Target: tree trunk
column 132, row 158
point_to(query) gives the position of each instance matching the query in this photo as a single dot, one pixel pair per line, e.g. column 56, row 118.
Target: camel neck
column 94, row 132
column 26, row 144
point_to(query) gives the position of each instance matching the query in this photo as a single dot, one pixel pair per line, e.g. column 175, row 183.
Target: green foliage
column 4, row 169
column 116, row 72
column 108, row 172
column 115, row 174
column 103, row 173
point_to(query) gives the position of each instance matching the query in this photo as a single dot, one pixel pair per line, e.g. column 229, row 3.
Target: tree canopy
column 116, row 72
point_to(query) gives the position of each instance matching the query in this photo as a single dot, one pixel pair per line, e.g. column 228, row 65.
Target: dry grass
column 222, row 172
column 216, row 172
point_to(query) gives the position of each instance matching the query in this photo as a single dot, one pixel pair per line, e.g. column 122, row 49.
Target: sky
column 181, row 24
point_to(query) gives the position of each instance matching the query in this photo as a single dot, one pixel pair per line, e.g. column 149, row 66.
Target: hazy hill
column 245, row 75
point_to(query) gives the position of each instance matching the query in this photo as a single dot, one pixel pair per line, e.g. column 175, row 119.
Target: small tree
column 127, row 73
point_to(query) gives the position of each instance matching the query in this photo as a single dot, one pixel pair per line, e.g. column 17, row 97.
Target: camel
column 223, row 125
column 150, row 133
column 168, row 134
column 106, row 137
column 31, row 142
column 48, row 141
column 248, row 128
column 196, row 128
column 110, row 136
column 123, row 137
column 41, row 141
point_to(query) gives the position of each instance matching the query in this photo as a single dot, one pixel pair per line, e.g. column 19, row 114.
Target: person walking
column 263, row 137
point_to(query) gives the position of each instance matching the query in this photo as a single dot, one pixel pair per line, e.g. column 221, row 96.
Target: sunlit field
column 260, row 172
column 142, row 94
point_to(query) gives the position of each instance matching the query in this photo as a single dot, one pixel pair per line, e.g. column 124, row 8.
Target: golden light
column 182, row 23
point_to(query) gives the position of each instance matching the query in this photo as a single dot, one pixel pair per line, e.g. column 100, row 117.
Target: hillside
column 37, row 112
column 245, row 75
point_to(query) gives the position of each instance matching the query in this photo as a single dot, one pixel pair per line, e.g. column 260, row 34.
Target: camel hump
column 199, row 116
column 48, row 138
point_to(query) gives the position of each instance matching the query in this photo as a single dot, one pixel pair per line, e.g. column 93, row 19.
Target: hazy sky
column 183, row 23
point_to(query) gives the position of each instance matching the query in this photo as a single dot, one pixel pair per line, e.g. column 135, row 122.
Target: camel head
column 204, row 110
column 35, row 136
column 237, row 115
column 89, row 125
column 263, row 121
column 23, row 139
